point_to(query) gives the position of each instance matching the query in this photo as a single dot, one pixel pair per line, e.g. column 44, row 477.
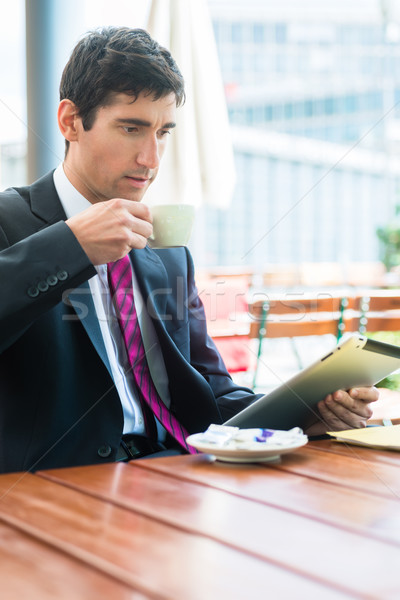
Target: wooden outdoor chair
column 379, row 310
column 323, row 313
column 297, row 315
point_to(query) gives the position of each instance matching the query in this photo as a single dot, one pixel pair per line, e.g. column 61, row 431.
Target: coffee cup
column 172, row 225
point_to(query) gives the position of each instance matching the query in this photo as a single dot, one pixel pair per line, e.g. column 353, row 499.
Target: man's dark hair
column 113, row 60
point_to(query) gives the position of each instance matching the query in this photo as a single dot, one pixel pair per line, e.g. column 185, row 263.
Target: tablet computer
column 357, row 361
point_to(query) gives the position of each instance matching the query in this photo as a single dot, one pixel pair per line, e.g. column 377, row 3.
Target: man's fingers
column 355, row 400
column 345, row 410
column 141, row 227
column 109, row 230
column 366, row 394
column 136, row 209
column 131, row 217
column 341, row 403
column 136, row 241
column 338, row 418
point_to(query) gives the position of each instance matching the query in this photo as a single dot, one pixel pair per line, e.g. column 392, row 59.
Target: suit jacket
column 58, row 403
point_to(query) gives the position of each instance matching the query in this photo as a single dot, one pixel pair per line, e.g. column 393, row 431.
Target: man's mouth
column 139, row 182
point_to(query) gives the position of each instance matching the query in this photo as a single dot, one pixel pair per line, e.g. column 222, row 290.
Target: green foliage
column 391, row 337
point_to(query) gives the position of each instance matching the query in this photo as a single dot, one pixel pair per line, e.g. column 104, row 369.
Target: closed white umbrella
column 198, row 166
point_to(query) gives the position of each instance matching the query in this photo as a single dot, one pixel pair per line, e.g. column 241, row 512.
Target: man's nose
column 149, row 155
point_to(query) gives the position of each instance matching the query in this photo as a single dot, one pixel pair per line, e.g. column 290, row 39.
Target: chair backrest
column 293, row 315
column 379, row 310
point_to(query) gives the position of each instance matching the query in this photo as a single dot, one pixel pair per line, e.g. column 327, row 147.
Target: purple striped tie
column 120, row 282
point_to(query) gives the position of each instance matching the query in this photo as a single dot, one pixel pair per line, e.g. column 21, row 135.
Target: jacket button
column 33, row 292
column 62, row 275
column 42, row 286
column 52, row 280
column 104, row 451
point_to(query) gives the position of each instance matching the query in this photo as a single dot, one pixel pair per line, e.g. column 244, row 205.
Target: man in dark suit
column 67, row 394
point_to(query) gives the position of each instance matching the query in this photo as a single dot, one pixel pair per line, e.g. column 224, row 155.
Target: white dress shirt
column 73, row 203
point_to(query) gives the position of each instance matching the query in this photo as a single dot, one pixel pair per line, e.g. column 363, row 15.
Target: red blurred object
column 226, row 307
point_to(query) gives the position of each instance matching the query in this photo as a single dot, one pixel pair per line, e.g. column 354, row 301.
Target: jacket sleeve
column 206, row 359
column 36, row 274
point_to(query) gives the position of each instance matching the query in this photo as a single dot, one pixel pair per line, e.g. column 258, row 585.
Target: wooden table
column 323, row 523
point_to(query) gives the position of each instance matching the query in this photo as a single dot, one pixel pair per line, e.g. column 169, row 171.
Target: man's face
column 120, row 155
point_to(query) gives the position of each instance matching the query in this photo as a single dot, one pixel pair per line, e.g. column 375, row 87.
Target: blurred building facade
column 313, row 93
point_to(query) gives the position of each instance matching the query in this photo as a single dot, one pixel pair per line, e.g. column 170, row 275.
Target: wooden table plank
column 31, row 569
column 157, row 559
column 270, row 532
column 350, row 470
column 390, row 457
column 351, row 509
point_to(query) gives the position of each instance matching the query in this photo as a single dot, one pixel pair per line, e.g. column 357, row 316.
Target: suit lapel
column 152, row 279
column 82, row 302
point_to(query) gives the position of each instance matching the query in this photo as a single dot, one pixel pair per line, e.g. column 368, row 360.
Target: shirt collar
column 72, row 201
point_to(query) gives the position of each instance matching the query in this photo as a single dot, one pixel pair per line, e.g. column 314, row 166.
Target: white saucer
column 247, row 452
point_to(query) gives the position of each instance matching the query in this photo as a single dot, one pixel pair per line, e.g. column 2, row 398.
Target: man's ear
column 68, row 120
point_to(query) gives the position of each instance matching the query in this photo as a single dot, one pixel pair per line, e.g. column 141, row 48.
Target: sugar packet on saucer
column 224, row 435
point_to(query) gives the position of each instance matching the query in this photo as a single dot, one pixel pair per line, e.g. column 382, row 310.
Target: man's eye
column 164, row 132
column 130, row 129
